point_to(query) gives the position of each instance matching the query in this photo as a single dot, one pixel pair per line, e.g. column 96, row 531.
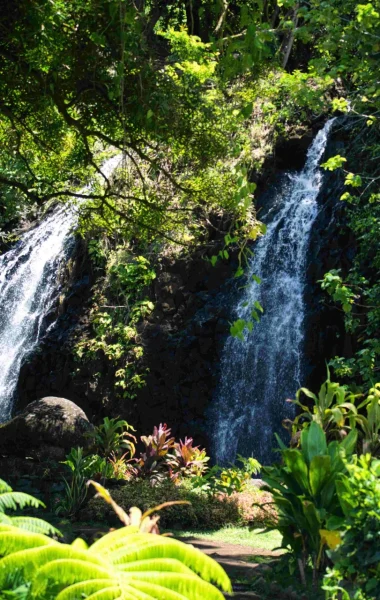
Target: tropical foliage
column 193, row 96
column 127, row 563
column 304, row 489
column 338, row 411
column 356, row 571
column 10, row 500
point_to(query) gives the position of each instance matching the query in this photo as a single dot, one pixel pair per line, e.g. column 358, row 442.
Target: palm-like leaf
column 10, row 500
column 124, row 564
column 13, row 500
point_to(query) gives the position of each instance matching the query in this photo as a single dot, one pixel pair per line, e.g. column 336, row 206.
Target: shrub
column 256, row 507
column 356, row 559
column 304, row 490
column 205, row 512
column 336, row 411
column 226, row 480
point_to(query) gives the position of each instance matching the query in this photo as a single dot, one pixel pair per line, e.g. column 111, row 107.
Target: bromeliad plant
column 304, row 490
column 164, row 457
column 129, row 564
column 188, row 460
column 154, row 462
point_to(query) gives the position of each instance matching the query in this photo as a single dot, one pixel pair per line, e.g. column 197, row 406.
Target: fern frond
column 30, row 561
column 148, row 546
column 4, row 519
column 83, row 589
column 4, row 487
column 111, row 540
column 14, row 500
column 110, row 593
column 5, row 526
column 79, row 544
column 125, row 593
column 156, row 564
column 14, row 539
column 66, row 571
column 157, row 592
column 190, row 587
column 123, row 565
column 34, row 525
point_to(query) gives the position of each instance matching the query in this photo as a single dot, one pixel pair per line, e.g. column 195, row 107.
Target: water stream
column 261, row 372
column 29, row 285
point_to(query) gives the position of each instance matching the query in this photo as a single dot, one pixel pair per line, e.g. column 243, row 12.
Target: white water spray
column 29, row 288
column 259, row 374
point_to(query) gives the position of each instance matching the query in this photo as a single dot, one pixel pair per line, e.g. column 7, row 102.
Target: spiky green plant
column 10, row 500
column 125, row 564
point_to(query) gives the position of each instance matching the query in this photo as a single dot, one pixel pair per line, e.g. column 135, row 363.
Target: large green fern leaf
column 12, row 540
column 188, row 586
column 83, row 589
column 35, row 525
column 147, row 546
column 4, row 487
column 13, row 500
column 139, row 566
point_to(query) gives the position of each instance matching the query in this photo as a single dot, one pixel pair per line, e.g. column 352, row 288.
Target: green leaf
column 319, row 473
column 297, row 467
column 348, row 444
column 333, row 163
column 313, row 442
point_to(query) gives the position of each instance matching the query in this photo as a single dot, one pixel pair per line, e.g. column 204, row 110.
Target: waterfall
column 28, row 290
column 261, row 372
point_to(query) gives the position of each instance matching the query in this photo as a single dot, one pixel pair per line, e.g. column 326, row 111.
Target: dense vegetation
column 193, row 96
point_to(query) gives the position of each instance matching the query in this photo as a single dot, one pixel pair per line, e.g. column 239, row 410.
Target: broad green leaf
column 319, row 473
column 348, row 444
column 313, row 442
column 297, row 466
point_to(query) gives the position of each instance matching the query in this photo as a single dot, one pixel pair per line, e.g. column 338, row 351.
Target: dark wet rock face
column 47, row 428
column 332, row 246
column 184, row 336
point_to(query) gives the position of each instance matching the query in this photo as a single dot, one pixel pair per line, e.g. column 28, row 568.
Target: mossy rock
column 49, row 426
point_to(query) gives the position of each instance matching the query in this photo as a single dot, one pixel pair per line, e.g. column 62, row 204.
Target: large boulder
column 47, row 428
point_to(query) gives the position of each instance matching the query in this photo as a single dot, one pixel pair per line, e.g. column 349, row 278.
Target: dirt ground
column 239, row 563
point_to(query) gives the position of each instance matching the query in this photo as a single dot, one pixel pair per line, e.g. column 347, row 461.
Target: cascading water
column 28, row 289
column 259, row 374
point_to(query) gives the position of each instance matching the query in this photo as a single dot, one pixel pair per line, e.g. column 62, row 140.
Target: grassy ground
column 238, row 535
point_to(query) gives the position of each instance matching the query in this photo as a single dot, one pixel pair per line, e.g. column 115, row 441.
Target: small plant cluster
column 227, row 480
column 112, row 455
column 338, row 411
column 120, row 304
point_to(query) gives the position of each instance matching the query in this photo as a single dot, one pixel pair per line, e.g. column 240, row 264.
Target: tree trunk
column 287, row 42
